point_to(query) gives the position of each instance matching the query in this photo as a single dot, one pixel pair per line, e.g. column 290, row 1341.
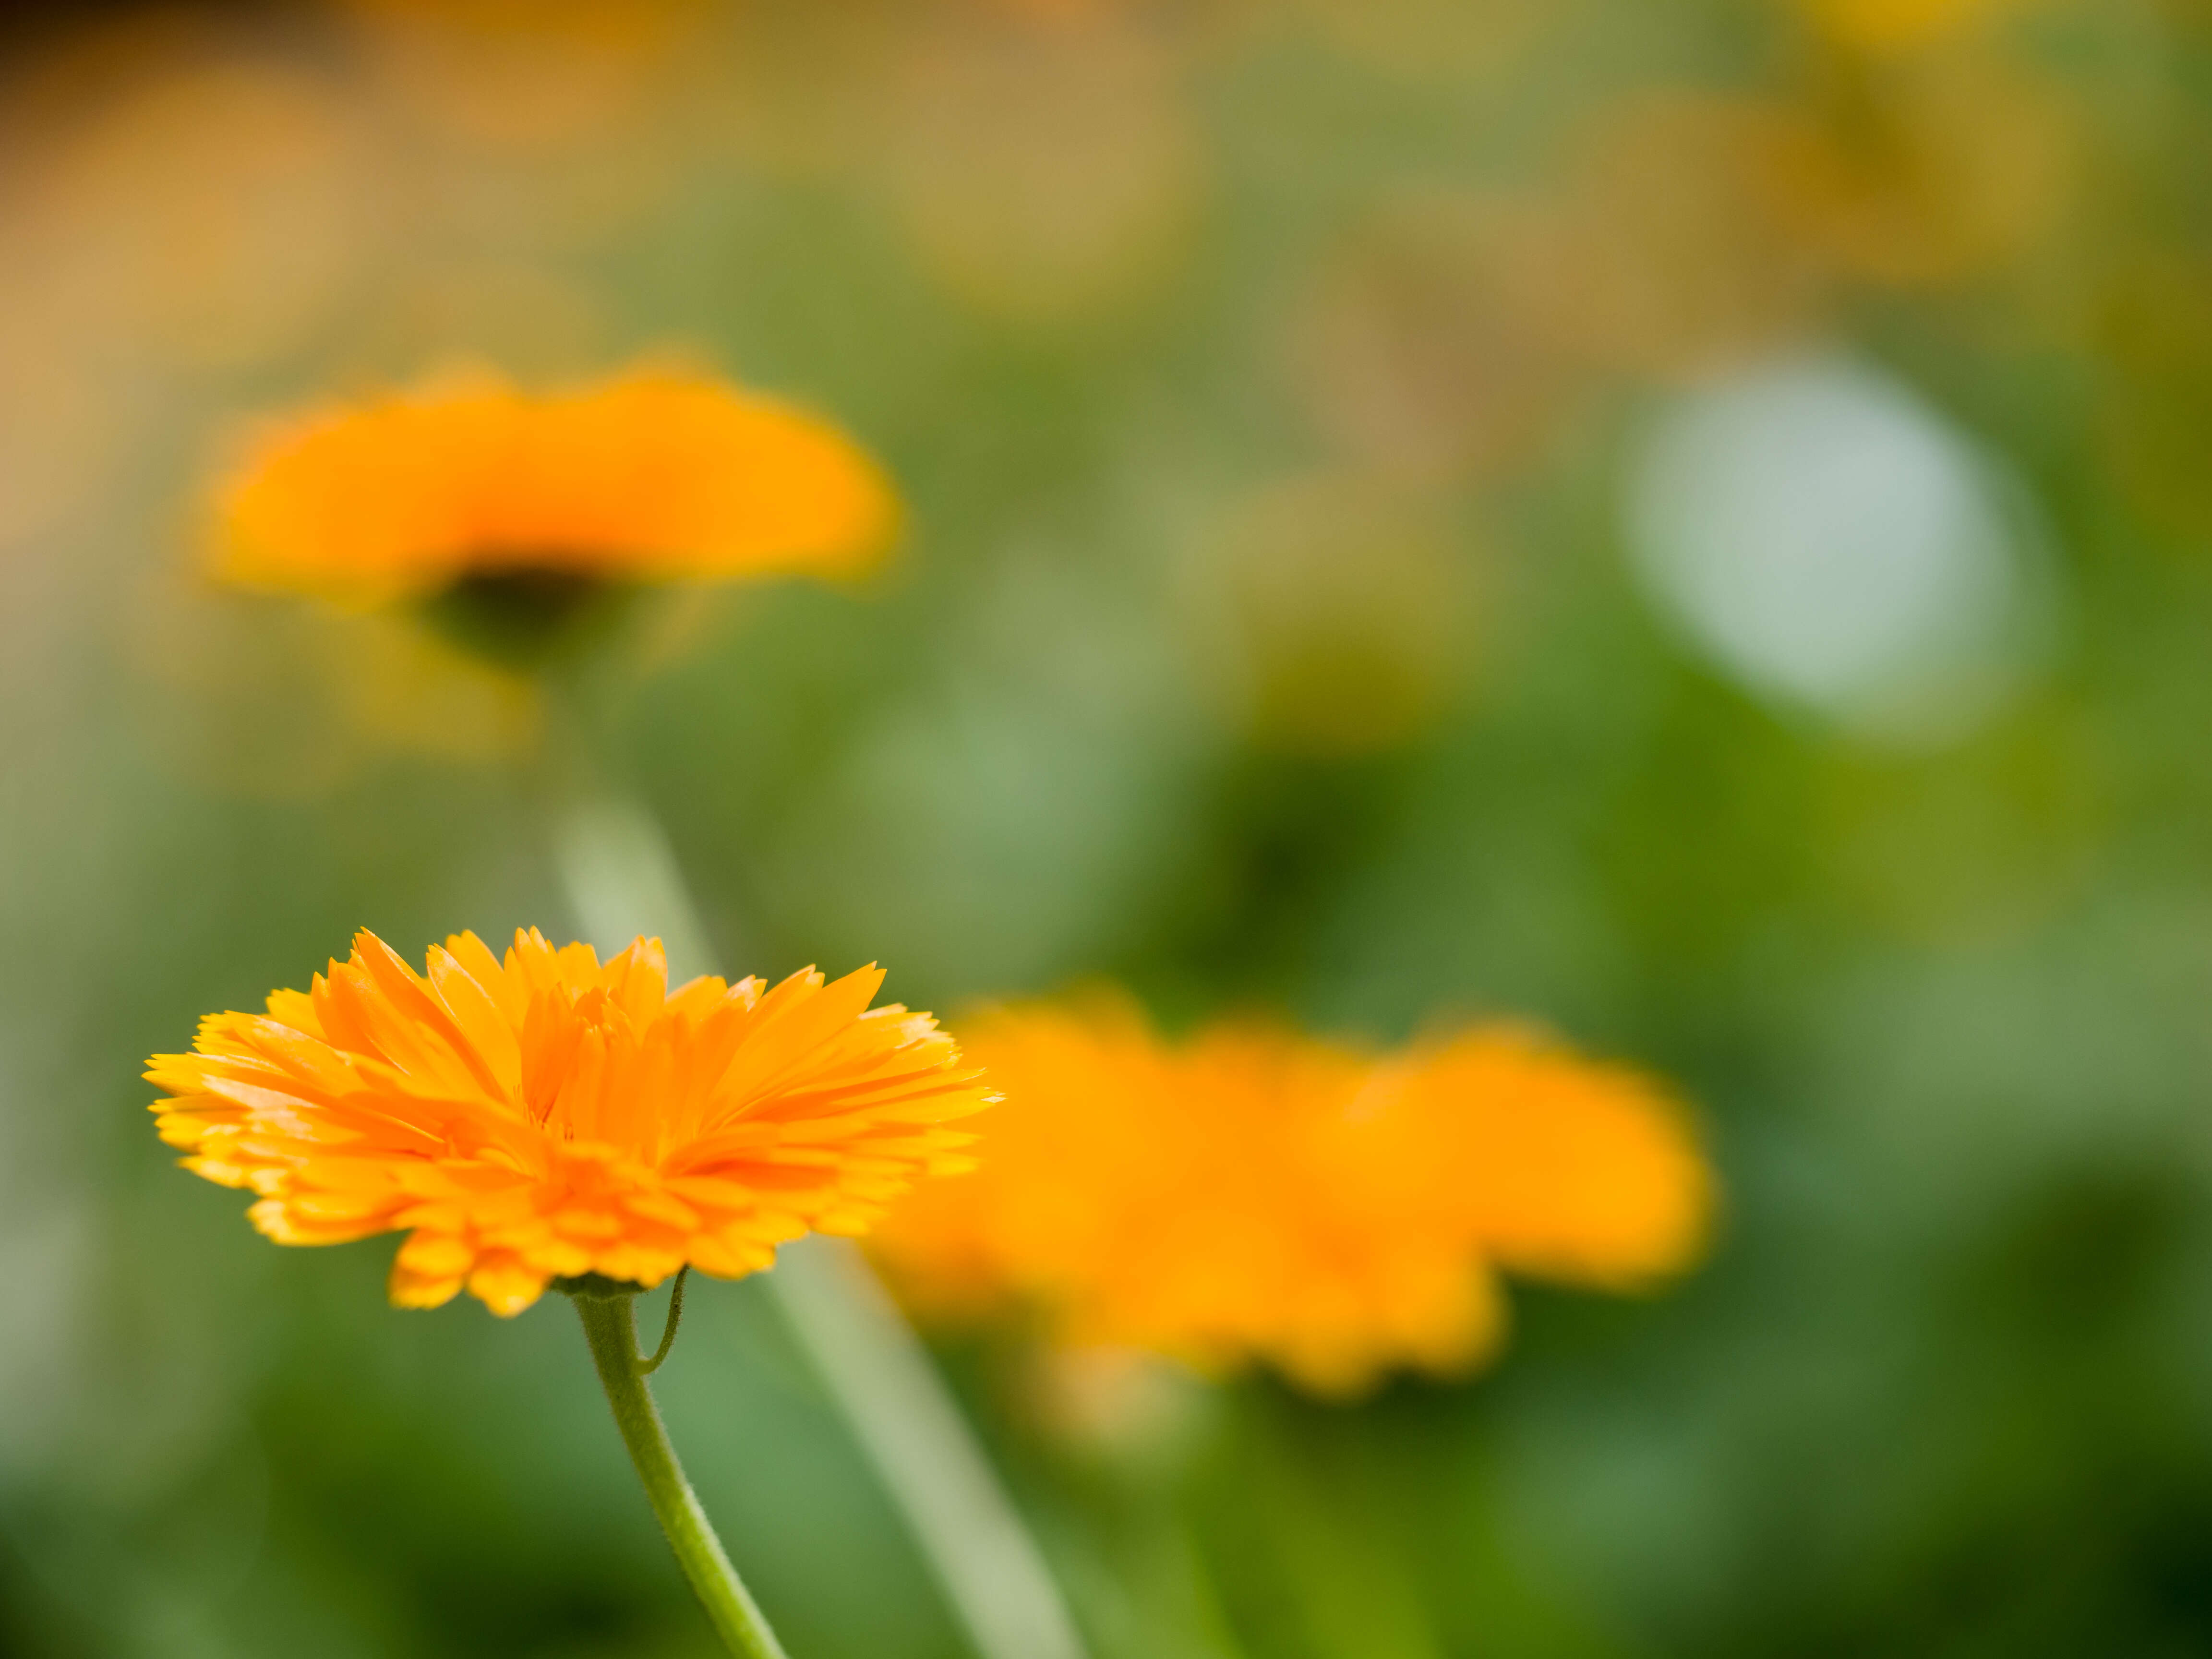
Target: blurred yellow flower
column 1899, row 25
column 1255, row 1194
column 1963, row 165
column 656, row 475
column 550, row 1116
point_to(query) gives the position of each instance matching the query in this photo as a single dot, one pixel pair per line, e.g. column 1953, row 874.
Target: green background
column 1263, row 381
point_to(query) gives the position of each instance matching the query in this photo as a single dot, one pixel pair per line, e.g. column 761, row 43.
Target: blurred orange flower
column 654, row 475
column 550, row 1116
column 1255, row 1194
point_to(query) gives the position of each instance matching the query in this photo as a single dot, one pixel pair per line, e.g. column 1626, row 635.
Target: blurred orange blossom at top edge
column 654, row 475
column 1254, row 1195
column 549, row 1115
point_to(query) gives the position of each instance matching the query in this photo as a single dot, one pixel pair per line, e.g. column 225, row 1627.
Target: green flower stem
column 610, row 1327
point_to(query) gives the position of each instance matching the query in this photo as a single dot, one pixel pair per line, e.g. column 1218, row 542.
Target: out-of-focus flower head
column 1887, row 26
column 654, row 475
column 1254, row 1195
column 552, row 1115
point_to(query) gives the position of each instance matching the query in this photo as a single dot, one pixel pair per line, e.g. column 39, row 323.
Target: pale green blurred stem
column 911, row 1428
column 622, row 879
column 610, row 1327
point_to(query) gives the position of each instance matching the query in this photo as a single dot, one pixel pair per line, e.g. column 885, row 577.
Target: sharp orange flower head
column 549, row 1115
column 654, row 475
column 1253, row 1194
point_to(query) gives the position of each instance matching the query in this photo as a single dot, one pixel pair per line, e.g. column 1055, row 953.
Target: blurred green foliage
column 1263, row 377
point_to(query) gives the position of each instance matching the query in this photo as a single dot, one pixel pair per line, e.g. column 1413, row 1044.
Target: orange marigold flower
column 1254, row 1195
column 550, row 1115
column 656, row 475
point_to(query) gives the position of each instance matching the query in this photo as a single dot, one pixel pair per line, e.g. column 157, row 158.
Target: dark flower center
column 527, row 616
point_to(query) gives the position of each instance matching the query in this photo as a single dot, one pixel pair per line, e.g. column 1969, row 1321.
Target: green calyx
column 528, row 618
column 596, row 1286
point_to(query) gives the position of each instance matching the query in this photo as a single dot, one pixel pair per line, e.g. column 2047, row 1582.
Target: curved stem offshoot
column 646, row 1367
